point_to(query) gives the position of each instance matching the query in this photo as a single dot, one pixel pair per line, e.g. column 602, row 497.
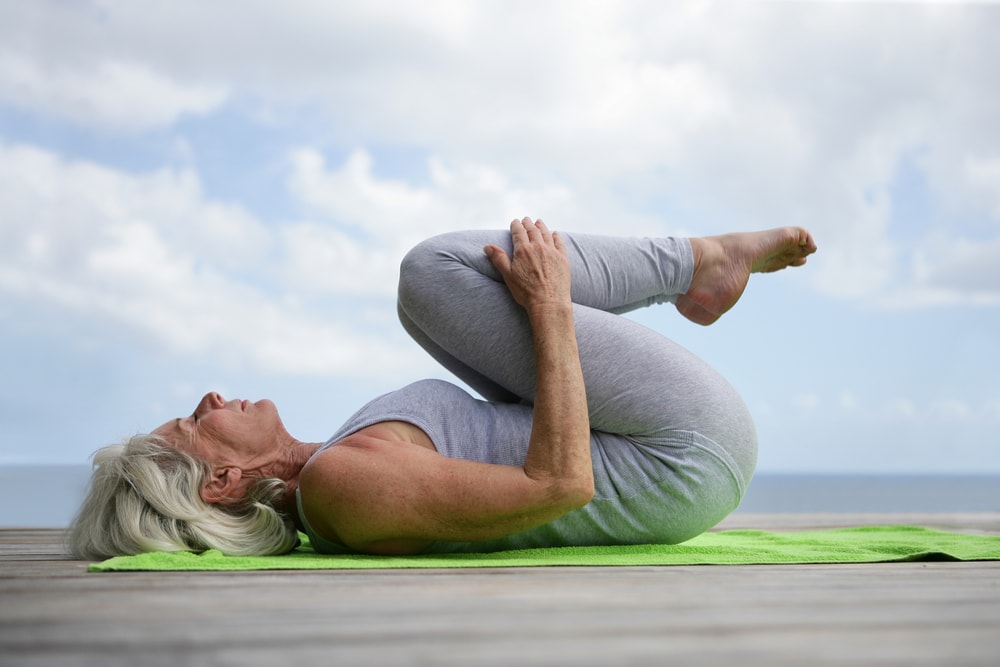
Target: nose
column 211, row 401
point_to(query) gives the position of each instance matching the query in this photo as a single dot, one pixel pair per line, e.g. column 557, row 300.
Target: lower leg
column 454, row 303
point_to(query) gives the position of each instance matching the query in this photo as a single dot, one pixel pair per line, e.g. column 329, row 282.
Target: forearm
column 559, row 449
column 539, row 279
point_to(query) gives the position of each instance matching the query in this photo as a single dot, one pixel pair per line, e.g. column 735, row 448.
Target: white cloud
column 151, row 254
column 629, row 117
column 98, row 242
column 736, row 115
column 941, row 410
column 110, row 95
column 60, row 208
column 901, row 408
column 848, row 401
column 324, row 259
column 949, row 410
column 372, row 221
column 983, row 177
column 961, row 263
column 950, row 271
column 806, row 402
column 465, row 196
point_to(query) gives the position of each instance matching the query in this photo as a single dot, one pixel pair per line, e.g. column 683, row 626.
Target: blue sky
column 200, row 196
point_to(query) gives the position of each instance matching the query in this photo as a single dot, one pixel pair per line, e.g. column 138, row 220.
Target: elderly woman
column 595, row 430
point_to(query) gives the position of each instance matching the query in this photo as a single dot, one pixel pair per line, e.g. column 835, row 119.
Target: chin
column 267, row 406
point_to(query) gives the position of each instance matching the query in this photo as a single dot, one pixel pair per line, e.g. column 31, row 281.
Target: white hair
column 145, row 496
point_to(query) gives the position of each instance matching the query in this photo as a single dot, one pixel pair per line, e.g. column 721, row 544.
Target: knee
column 418, row 258
column 445, row 265
column 417, row 271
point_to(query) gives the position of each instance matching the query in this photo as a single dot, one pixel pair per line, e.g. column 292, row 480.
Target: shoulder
column 363, row 466
column 349, row 492
column 365, row 448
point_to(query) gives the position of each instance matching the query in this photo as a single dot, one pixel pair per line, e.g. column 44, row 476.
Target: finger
column 499, row 259
column 518, row 233
column 558, row 242
column 543, row 228
column 530, row 227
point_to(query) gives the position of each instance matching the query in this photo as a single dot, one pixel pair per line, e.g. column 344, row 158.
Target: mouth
column 243, row 405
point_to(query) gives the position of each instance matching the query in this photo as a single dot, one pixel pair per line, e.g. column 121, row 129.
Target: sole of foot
column 723, row 265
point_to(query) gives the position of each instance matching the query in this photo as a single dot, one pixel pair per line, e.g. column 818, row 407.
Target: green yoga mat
column 869, row 544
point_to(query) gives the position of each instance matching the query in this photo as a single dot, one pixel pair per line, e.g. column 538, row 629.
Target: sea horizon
column 48, row 495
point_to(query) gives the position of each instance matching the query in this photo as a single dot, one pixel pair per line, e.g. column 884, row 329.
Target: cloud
column 857, row 410
column 397, row 212
column 121, row 96
column 630, row 117
column 152, row 256
column 155, row 257
column 941, row 410
column 722, row 115
column 983, row 178
column 848, row 401
column 806, row 402
column 950, row 410
column 367, row 222
column 950, row 271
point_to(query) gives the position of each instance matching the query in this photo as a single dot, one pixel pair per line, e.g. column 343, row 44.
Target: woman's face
column 233, row 432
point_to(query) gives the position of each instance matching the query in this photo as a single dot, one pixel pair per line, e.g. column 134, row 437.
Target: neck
column 297, row 454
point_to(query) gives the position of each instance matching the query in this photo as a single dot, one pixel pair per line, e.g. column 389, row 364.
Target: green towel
column 870, row 544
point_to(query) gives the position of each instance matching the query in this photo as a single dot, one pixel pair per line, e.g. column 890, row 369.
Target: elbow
column 565, row 494
column 577, row 492
column 586, row 491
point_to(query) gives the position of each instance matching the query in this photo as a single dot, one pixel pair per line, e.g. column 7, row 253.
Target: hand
column 538, row 273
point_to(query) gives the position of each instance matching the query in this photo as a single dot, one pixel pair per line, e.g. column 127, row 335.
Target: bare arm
column 380, row 495
column 538, row 277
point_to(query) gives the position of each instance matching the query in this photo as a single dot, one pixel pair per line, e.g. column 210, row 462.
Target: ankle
column 697, row 256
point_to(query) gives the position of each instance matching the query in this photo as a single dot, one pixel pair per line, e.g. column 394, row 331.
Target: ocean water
column 872, row 493
column 48, row 496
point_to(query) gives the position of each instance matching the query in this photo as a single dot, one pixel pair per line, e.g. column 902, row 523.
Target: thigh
column 456, row 305
column 638, row 382
column 486, row 387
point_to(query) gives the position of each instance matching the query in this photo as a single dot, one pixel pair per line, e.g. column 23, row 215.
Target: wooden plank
column 53, row 613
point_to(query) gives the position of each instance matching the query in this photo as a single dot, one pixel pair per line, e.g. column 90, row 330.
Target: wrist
column 549, row 309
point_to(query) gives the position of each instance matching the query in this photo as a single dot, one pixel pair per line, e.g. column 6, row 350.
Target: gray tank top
column 645, row 492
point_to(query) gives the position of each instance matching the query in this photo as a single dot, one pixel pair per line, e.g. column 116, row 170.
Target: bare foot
column 723, row 264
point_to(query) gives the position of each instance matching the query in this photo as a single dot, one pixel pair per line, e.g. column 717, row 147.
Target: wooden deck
column 53, row 613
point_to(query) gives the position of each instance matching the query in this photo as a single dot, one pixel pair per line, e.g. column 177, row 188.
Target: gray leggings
column 640, row 384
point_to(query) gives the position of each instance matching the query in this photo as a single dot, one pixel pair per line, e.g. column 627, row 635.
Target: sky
column 216, row 196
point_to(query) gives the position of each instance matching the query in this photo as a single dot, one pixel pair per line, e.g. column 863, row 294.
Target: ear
column 224, row 485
